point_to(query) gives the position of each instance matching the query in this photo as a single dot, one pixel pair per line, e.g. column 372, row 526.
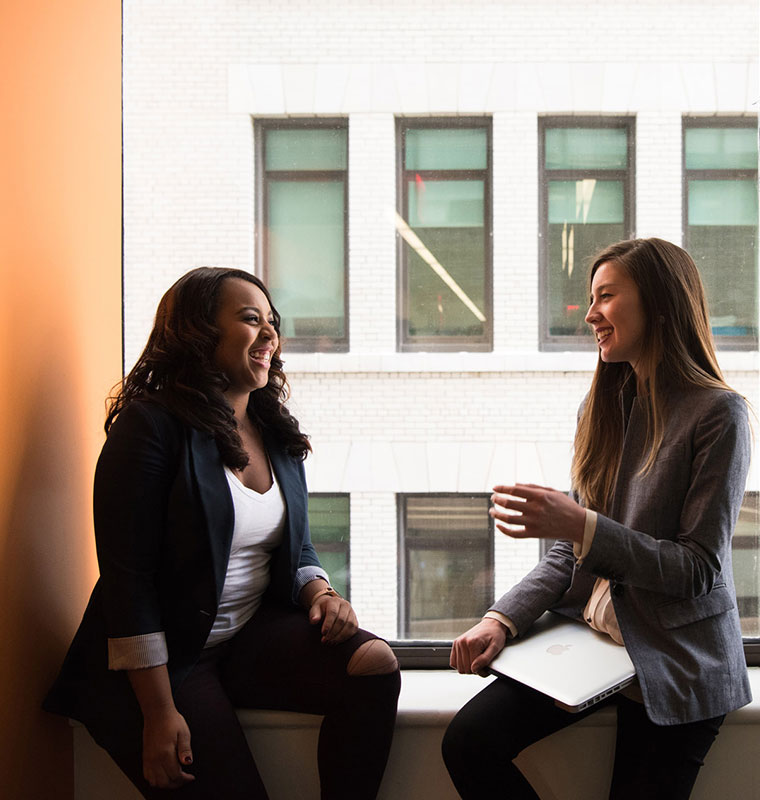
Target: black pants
column 655, row 762
column 276, row 662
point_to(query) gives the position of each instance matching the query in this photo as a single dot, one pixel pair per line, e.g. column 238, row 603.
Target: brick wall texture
column 198, row 73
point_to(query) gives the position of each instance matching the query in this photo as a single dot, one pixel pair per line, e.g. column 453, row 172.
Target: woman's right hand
column 166, row 737
column 166, row 748
column 475, row 649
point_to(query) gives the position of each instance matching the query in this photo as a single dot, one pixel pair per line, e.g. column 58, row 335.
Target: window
column 720, row 221
column 745, row 550
column 446, row 568
column 444, row 234
column 586, row 203
column 302, row 231
column 330, row 525
column 746, row 559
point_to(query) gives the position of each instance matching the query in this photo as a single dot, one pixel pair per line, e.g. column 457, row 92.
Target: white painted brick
column 331, row 81
column 659, row 175
column 731, row 85
column 268, row 89
column 358, row 96
column 617, row 87
column 298, row 87
column 443, row 465
column 474, row 465
column 502, row 93
column 411, row 83
column 473, row 86
column 557, row 86
column 701, row 90
column 587, row 84
column 443, row 87
column 384, row 91
column 530, row 95
column 196, row 70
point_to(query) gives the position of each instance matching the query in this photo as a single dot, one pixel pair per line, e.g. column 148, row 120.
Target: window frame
column 336, row 547
column 416, row 650
column 751, row 643
column 262, row 125
column 547, row 342
column 690, row 121
column 435, row 654
column 443, row 344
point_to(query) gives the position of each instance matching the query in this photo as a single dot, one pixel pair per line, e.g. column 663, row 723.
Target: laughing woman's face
column 247, row 337
column 616, row 315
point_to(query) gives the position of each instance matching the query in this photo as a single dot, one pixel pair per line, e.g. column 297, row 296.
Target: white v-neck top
column 259, row 527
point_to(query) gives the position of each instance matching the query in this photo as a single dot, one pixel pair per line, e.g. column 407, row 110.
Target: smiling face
column 247, row 337
column 616, row 315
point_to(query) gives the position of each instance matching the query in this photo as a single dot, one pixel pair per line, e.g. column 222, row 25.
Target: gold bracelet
column 329, row 590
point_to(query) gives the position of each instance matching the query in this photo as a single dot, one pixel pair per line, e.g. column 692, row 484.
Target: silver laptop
column 566, row 660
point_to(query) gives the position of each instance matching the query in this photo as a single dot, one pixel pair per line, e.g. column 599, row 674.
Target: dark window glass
column 302, row 242
column 586, row 180
column 443, row 226
column 447, row 564
column 745, row 547
column 330, row 525
column 721, row 219
column 746, row 558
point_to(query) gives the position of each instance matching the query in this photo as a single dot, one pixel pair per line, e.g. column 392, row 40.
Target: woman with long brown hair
column 211, row 596
column 661, row 456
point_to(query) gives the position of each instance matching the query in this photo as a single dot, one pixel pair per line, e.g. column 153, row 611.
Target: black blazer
column 163, row 526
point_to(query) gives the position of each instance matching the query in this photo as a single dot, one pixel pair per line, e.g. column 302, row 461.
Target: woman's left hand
column 542, row 513
column 337, row 617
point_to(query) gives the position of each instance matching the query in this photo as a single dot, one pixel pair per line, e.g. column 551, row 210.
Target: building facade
column 421, row 186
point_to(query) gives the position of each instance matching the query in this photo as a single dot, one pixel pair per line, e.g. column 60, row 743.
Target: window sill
column 429, row 699
column 526, row 361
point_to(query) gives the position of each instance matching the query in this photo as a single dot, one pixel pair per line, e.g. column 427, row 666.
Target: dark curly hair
column 177, row 369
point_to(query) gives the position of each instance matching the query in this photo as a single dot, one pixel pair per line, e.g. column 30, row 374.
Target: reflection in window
column 443, row 225
column 586, row 177
column 746, row 559
column 330, row 525
column 302, row 211
column 720, row 210
column 446, row 564
column 745, row 547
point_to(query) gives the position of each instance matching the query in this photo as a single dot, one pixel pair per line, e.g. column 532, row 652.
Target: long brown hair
column 177, row 369
column 677, row 350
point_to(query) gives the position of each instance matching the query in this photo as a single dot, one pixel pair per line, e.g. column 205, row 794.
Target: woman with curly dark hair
column 211, row 596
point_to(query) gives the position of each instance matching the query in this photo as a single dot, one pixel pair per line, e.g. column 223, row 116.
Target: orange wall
column 60, row 350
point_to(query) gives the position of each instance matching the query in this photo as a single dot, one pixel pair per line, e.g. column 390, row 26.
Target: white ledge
column 560, row 767
column 430, row 698
column 525, row 361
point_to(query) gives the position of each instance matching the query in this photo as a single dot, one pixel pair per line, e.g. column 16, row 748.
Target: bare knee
column 372, row 658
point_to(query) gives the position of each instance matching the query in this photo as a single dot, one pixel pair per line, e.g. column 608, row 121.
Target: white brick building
column 384, row 422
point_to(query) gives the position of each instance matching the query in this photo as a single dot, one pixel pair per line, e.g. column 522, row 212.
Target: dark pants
column 276, row 662
column 655, row 762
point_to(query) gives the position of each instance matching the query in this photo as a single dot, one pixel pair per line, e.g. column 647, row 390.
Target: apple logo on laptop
column 558, row 649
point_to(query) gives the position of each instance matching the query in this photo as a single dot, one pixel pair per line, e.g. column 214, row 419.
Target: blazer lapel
column 634, row 422
column 215, row 500
column 288, row 474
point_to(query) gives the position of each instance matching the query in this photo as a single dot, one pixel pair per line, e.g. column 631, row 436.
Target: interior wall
column 60, row 351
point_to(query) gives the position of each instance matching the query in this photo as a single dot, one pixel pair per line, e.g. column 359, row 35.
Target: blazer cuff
column 138, row 652
column 306, row 575
column 504, row 619
column 580, row 551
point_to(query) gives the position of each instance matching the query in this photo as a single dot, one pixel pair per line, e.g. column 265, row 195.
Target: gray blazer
column 666, row 549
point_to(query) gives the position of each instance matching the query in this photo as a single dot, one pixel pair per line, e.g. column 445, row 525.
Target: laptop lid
column 567, row 660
